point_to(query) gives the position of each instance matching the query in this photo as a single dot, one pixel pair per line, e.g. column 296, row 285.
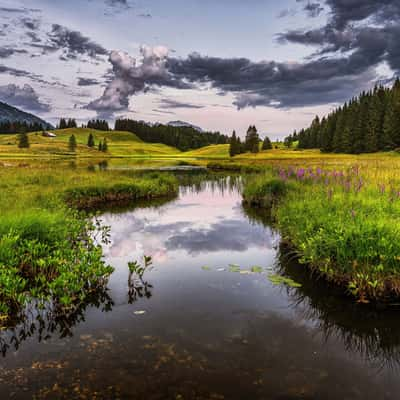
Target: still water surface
column 194, row 329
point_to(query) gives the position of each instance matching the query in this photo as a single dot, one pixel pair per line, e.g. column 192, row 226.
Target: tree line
column 366, row 124
column 98, row 124
column 250, row 144
column 183, row 138
column 20, row 127
column 67, row 123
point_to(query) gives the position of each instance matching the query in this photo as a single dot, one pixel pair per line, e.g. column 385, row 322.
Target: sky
column 222, row 65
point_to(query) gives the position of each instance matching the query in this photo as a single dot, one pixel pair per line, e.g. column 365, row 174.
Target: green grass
column 344, row 225
column 120, row 144
column 47, row 250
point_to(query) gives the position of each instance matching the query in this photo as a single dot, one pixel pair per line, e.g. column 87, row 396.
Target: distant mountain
column 12, row 114
column 183, row 124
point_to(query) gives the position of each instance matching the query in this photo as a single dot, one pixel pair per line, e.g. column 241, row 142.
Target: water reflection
column 180, row 330
column 372, row 332
column 44, row 322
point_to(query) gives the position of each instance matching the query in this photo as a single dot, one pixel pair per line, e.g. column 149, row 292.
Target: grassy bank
column 343, row 223
column 47, row 251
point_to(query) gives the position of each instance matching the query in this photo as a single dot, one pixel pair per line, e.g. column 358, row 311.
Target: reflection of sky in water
column 235, row 328
column 193, row 225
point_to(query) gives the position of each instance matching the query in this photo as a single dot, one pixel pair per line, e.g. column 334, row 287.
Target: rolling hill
column 120, row 144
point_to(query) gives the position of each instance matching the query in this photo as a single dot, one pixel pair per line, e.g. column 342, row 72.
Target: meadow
column 120, row 144
column 339, row 213
column 49, row 251
column 341, row 220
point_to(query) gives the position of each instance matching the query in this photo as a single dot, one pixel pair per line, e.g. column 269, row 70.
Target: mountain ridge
column 10, row 113
column 183, row 124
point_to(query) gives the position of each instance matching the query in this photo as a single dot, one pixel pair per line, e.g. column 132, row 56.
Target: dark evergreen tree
column 183, row 138
column 105, row 146
column 23, row 141
column 368, row 123
column 62, row 124
column 252, row 142
column 91, row 142
column 267, row 145
column 100, row 147
column 100, row 125
column 72, row 143
column 233, row 145
column 19, row 127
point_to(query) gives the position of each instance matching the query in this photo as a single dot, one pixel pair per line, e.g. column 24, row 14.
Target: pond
column 210, row 319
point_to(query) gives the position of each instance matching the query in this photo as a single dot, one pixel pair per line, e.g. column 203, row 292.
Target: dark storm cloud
column 313, row 9
column 358, row 36
column 347, row 30
column 24, row 97
column 275, row 84
column 87, row 82
column 6, row 52
column 12, row 10
column 31, row 24
column 172, row 104
column 74, row 43
column 16, row 72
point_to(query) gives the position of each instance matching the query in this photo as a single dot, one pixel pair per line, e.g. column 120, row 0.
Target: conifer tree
column 91, row 142
column 105, row 146
column 100, row 148
column 62, row 124
column 72, row 143
column 267, row 145
column 233, row 145
column 23, row 141
column 252, row 142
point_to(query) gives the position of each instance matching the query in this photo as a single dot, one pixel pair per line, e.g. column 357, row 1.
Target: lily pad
column 282, row 280
column 234, row 268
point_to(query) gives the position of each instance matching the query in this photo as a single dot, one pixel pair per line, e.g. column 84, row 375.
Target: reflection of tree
column 372, row 332
column 137, row 289
column 137, row 286
column 258, row 216
column 47, row 321
column 199, row 181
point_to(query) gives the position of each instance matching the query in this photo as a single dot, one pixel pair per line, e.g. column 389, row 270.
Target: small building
column 49, row 134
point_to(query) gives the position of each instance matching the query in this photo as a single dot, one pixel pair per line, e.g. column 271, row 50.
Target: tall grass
column 47, row 247
column 344, row 223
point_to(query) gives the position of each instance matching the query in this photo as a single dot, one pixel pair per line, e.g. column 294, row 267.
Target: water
column 192, row 329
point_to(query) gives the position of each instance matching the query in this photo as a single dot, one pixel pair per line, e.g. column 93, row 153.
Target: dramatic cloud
column 131, row 77
column 272, row 83
column 171, row 104
column 24, row 97
column 31, row 24
column 6, row 52
column 313, row 9
column 87, row 82
column 366, row 30
column 73, row 43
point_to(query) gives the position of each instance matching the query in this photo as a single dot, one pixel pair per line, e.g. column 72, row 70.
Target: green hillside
column 213, row 151
column 120, row 144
